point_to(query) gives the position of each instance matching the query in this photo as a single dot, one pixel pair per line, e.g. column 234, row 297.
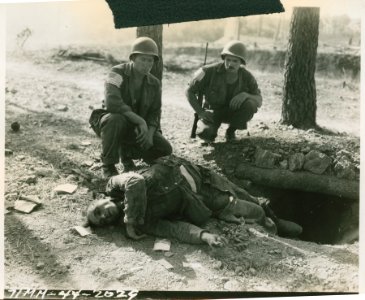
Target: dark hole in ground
column 325, row 219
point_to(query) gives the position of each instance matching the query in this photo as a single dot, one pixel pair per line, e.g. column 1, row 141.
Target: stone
column 296, row 161
column 40, row 265
column 316, row 162
column 344, row 168
column 62, row 108
column 8, row 152
column 232, row 285
column 217, row 265
column 283, row 164
column 31, row 179
column 43, row 172
column 15, row 126
column 252, row 271
column 265, row 158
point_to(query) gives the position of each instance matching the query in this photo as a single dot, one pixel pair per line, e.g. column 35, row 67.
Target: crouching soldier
column 130, row 126
column 173, row 197
column 231, row 94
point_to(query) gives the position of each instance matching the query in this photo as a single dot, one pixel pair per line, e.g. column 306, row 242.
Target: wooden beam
column 301, row 181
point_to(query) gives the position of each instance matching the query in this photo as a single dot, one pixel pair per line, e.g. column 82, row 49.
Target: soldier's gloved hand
column 213, row 240
column 206, row 116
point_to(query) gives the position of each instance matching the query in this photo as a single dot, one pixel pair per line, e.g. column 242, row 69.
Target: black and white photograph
column 217, row 155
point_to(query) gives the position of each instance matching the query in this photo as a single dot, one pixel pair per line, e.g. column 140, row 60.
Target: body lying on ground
column 174, row 198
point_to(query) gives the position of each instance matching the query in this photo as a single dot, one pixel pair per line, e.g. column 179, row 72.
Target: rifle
column 200, row 101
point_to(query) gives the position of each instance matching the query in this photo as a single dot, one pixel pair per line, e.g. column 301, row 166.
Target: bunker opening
column 325, row 219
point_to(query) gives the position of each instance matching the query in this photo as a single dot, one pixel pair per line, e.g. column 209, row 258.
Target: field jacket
column 210, row 80
column 119, row 95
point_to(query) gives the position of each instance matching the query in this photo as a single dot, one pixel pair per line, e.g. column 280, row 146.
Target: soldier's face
column 102, row 212
column 232, row 63
column 143, row 63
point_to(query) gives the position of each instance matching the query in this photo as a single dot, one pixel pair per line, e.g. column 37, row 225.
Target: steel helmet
column 235, row 48
column 145, row 45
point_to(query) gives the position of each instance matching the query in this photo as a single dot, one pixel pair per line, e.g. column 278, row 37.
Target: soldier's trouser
column 119, row 141
column 236, row 119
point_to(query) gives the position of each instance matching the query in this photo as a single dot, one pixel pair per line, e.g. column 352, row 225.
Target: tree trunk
column 299, row 98
column 154, row 32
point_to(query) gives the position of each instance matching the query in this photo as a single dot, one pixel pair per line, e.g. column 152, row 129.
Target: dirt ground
column 52, row 100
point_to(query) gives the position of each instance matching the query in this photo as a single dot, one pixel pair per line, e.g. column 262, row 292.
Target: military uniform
column 117, row 134
column 210, row 80
column 161, row 198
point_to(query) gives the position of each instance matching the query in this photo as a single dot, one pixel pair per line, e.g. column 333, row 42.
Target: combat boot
column 285, row 228
column 231, row 135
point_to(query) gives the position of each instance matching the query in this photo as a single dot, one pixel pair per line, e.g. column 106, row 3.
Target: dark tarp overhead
column 133, row 13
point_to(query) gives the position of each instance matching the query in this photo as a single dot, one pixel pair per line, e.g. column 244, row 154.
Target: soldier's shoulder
column 212, row 66
column 154, row 80
column 120, row 69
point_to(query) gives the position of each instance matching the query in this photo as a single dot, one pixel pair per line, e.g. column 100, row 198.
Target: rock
column 31, row 179
column 43, row 172
column 40, row 265
column 310, row 130
column 168, row 254
column 85, row 143
column 232, row 285
column 296, row 161
column 283, row 164
column 316, row 162
column 15, row 126
column 290, row 127
column 344, row 168
column 87, row 163
column 343, row 153
column 306, row 149
column 238, row 270
column 61, row 108
column 8, row 152
column 13, row 91
column 217, row 265
column 252, row 271
column 265, row 158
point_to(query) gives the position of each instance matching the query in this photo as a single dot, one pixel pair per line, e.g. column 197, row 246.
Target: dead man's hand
column 213, row 240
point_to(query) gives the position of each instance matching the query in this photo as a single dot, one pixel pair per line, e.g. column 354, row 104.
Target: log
column 301, row 181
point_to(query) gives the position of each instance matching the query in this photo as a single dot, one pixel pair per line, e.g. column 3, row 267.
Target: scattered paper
column 85, row 143
column 32, row 198
column 162, row 245
column 65, row 188
column 83, row 231
column 165, row 264
column 24, row 206
column 192, row 265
